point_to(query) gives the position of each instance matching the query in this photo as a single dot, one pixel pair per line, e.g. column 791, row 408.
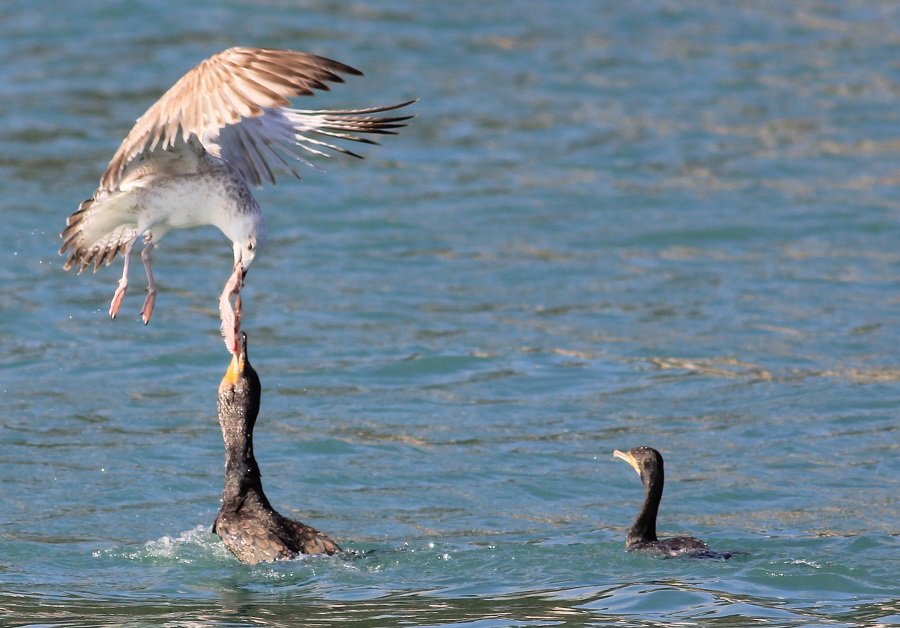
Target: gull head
column 248, row 239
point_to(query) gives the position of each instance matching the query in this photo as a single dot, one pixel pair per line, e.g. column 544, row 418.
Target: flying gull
column 191, row 158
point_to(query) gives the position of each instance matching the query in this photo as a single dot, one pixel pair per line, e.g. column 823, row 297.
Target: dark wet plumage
column 642, row 537
column 246, row 522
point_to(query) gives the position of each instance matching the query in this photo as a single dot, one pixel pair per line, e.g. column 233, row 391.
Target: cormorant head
column 645, row 460
column 240, row 390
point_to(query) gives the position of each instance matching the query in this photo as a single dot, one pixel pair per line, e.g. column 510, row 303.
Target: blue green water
column 611, row 224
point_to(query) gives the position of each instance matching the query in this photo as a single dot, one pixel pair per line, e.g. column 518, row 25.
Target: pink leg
column 150, row 301
column 123, row 282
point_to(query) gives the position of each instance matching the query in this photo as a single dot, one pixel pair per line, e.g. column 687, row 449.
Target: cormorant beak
column 238, row 362
column 627, row 457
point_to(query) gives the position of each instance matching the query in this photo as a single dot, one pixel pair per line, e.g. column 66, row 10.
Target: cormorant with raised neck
column 246, row 522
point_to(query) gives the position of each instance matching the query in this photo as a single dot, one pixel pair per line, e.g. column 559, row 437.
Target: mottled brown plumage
column 246, row 522
column 191, row 159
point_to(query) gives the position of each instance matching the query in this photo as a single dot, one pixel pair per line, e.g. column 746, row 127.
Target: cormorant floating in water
column 642, row 537
column 246, row 522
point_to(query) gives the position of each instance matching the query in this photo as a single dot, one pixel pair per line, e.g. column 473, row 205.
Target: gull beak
column 238, row 264
column 627, row 457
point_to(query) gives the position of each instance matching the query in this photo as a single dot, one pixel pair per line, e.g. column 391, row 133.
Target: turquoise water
column 610, row 224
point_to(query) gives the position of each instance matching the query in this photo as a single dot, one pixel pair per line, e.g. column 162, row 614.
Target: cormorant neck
column 242, row 477
column 643, row 530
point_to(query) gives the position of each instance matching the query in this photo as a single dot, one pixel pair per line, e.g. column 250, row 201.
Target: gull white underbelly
column 191, row 200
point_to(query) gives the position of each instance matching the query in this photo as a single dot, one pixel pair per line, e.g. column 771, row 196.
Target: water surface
column 610, row 224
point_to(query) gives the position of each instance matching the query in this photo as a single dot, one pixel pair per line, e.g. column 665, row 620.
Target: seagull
column 192, row 158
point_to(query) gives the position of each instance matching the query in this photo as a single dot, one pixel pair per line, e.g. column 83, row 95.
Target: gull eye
column 250, row 245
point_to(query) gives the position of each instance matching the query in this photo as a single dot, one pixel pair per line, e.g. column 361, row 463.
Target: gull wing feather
column 281, row 132
column 103, row 225
column 231, row 86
